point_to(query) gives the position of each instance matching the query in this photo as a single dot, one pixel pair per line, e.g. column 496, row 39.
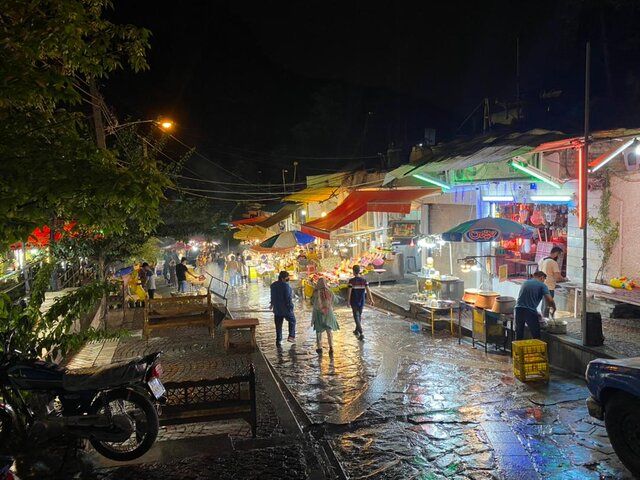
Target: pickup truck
column 615, row 398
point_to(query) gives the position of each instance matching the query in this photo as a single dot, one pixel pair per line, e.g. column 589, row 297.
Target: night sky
column 257, row 85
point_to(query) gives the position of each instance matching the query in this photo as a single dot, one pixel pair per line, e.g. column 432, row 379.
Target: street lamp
column 163, row 124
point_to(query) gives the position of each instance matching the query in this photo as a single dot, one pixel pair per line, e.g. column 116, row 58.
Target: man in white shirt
column 549, row 265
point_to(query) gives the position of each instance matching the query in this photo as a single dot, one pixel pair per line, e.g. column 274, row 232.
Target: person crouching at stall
column 531, row 294
column 323, row 318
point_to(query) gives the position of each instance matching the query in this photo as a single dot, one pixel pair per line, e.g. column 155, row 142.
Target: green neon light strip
column 534, row 174
column 432, row 181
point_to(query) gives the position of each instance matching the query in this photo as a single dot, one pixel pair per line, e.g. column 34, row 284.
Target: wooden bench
column 182, row 311
column 210, row 400
column 240, row 324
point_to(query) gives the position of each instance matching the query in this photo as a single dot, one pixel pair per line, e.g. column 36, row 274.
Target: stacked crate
column 530, row 360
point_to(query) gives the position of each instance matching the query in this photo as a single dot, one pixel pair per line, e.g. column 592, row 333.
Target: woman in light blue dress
column 323, row 318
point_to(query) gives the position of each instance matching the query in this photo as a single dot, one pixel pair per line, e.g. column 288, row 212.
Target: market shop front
column 502, row 178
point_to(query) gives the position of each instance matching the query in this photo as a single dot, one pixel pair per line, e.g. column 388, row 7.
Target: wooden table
column 240, row 324
column 432, row 314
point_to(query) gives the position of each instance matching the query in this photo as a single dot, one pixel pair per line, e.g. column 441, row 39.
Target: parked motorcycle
column 5, row 468
column 115, row 407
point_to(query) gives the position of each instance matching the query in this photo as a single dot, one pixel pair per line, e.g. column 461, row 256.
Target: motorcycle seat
column 107, row 376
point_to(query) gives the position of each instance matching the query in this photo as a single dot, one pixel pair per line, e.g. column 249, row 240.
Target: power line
column 316, row 183
column 226, row 191
column 207, row 159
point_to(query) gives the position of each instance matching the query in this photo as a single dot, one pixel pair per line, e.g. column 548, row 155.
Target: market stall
column 521, row 256
column 490, row 312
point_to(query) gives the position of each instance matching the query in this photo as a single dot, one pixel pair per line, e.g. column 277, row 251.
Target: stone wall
column 625, row 198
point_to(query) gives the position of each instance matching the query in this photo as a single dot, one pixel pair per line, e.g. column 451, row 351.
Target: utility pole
column 96, row 100
column 284, row 181
column 585, row 159
column 295, row 171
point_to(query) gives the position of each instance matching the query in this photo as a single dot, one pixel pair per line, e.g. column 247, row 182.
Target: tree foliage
column 47, row 45
column 52, row 334
column 50, row 167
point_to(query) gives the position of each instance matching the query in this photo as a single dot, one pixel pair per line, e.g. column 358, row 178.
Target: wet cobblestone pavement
column 405, row 405
column 275, row 463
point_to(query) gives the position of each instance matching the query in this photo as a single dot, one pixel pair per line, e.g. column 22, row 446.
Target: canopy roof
column 286, row 210
column 254, row 232
column 461, row 154
column 360, row 202
column 249, row 221
column 313, row 194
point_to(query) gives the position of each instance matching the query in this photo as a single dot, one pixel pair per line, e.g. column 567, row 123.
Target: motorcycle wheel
column 145, row 418
column 6, row 427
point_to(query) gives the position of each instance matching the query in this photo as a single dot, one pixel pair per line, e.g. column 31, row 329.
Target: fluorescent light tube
column 497, row 198
column 535, row 173
column 431, row 180
column 552, row 198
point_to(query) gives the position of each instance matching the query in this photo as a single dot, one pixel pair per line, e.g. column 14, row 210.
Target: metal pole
column 585, row 158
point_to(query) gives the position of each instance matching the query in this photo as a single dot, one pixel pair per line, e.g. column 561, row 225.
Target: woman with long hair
column 323, row 317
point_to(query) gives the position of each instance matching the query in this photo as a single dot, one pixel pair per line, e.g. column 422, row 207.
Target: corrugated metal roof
column 464, row 153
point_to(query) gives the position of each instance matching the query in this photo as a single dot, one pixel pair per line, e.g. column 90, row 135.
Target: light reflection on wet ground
column 427, row 408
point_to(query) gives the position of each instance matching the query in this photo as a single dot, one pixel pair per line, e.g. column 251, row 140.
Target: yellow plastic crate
column 530, row 372
column 529, row 351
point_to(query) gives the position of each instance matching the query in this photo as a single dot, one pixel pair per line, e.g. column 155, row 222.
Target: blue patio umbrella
column 488, row 229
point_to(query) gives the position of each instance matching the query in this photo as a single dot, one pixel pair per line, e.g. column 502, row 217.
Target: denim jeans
column 279, row 319
column 357, row 316
column 545, row 305
column 525, row 315
column 182, row 286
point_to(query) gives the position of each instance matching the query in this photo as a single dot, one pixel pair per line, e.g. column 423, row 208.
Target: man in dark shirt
column 531, row 293
column 282, row 306
column 181, row 275
column 358, row 289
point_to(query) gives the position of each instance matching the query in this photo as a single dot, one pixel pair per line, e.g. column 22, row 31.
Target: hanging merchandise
column 550, row 216
column 537, row 218
column 523, row 214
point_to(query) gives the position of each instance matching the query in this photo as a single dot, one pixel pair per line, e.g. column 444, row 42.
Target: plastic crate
column 529, row 351
column 531, row 372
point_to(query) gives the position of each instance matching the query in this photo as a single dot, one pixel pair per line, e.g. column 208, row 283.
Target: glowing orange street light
column 166, row 125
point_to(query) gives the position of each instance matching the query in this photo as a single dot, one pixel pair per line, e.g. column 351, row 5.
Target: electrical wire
column 319, row 182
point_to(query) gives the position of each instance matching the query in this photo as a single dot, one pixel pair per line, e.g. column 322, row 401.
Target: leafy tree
column 50, row 167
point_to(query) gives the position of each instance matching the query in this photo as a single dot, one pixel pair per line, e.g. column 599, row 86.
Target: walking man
column 358, row 289
column 181, row 275
column 282, row 306
column 531, row 293
column 549, row 266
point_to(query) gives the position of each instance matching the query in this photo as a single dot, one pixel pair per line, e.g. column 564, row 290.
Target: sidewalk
column 211, row 450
